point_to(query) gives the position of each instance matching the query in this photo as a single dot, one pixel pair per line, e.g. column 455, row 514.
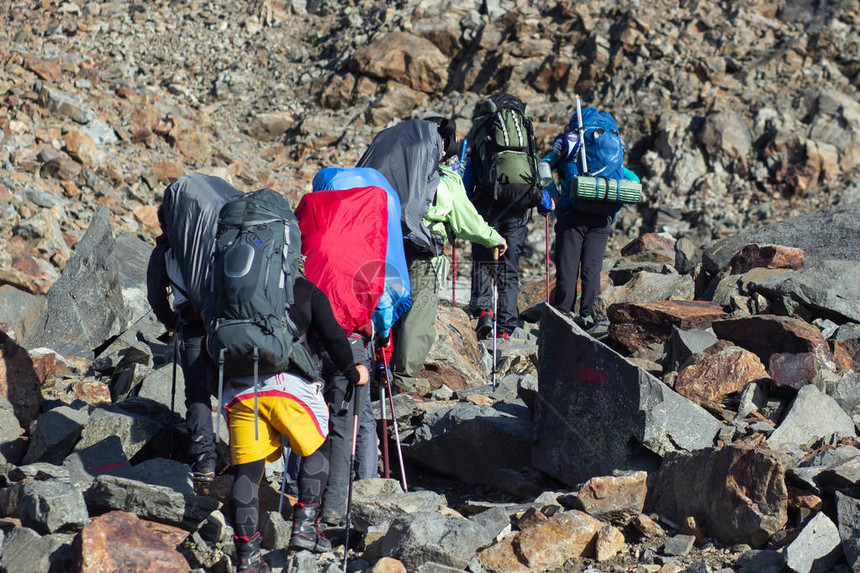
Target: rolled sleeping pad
column 602, row 189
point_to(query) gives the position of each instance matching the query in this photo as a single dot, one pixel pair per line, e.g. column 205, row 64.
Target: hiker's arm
column 331, row 336
column 156, row 287
column 465, row 221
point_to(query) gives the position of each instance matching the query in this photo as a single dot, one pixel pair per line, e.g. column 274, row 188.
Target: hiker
column 188, row 213
column 367, row 291
column 582, row 227
column 411, row 155
column 501, row 178
column 294, row 407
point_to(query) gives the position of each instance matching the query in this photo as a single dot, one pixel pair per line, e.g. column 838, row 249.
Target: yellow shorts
column 279, row 415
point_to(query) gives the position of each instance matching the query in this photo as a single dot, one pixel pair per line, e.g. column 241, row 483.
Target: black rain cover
column 191, row 205
column 408, row 155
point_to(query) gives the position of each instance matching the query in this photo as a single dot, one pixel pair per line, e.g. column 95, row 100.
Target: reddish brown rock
column 48, row 70
column 268, row 126
column 768, row 257
column 650, row 242
column 846, row 349
column 19, row 381
column 24, row 281
column 502, row 558
column 147, row 216
column 404, row 58
column 530, row 517
column 120, row 541
column 166, row 171
column 81, row 147
column 89, row 391
column 737, row 493
column 63, row 168
column 48, row 365
column 634, row 325
column 793, row 371
column 691, row 527
column 647, row 526
column 565, row 535
column 609, row 542
column 388, row 565
column 191, row 142
column 769, row 334
column 803, row 499
column 717, row 372
column 613, row 498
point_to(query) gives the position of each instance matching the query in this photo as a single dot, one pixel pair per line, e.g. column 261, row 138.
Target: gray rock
column 493, row 521
column 275, row 531
column 380, row 501
column 597, row 412
column 153, row 502
column 105, row 457
column 132, row 259
column 812, row 416
column 430, row 567
column 167, row 473
column 25, row 551
column 846, row 392
column 63, row 103
column 679, row 545
column 527, row 391
column 12, row 444
column 471, row 442
column 101, row 132
column 684, row 343
column 40, row 472
column 752, row 399
column 52, row 507
column 134, row 431
column 816, row 549
column 848, row 518
column 84, row 306
column 19, row 309
column 761, row 561
column 687, row 256
column 431, row 537
column 55, row 434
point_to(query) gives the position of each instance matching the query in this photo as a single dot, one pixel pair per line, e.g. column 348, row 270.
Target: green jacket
column 452, row 208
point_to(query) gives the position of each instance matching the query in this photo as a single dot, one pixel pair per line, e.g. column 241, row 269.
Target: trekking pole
column 173, row 393
column 581, row 131
column 454, row 272
column 351, row 472
column 546, row 258
column 284, row 479
column 394, row 422
column 220, row 396
column 495, row 309
column 386, row 468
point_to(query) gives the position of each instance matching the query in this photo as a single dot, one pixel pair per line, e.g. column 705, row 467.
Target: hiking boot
column 332, row 518
column 503, row 336
column 249, row 558
column 305, row 534
column 484, row 329
column 203, row 474
column 584, row 322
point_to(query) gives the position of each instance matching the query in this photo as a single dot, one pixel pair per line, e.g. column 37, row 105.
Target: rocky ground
column 731, row 340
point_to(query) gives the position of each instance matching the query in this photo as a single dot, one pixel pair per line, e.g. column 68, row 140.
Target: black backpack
column 256, row 260
column 190, row 208
column 504, row 164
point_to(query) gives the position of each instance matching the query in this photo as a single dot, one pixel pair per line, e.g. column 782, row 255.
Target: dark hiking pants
column 579, row 245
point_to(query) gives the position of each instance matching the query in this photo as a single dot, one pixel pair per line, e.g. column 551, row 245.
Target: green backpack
column 504, row 164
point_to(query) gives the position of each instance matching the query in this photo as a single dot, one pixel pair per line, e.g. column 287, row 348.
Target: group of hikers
column 286, row 315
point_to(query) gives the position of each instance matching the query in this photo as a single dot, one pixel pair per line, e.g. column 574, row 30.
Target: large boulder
column 455, row 357
column 85, row 306
column 404, row 58
column 737, row 493
column 471, row 442
column 813, row 415
column 597, row 412
column 121, row 541
column 829, row 281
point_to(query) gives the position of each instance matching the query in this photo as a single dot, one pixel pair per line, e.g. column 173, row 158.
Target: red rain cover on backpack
column 344, row 239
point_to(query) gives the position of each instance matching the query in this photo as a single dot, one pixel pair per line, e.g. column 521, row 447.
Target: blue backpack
column 604, row 153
